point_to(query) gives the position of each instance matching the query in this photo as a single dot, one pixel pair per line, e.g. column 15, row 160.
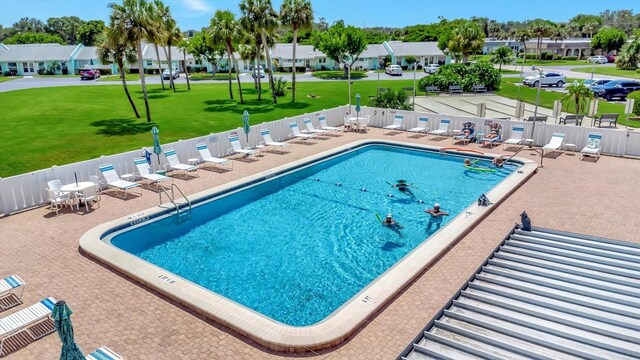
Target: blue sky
column 194, row 14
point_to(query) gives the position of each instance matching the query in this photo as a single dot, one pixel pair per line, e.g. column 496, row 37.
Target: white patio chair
column 323, row 124
column 268, row 141
column 517, row 137
column 88, row 195
column 555, row 144
column 103, row 353
column 20, row 321
column 310, row 129
column 7, row 285
column 113, row 181
column 594, row 145
column 422, row 126
column 296, row 132
column 397, row 123
column 443, row 128
column 175, row 164
column 149, row 177
column 237, row 148
column 208, row 159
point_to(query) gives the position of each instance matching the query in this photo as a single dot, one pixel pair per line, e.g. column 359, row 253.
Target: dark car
column 615, row 88
column 86, row 74
column 611, row 58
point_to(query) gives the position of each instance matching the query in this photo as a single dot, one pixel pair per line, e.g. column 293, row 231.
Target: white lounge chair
column 237, row 148
column 422, row 126
column 144, row 171
column 296, row 132
column 310, row 129
column 466, row 134
column 113, row 181
column 443, row 128
column 323, row 124
column 20, row 321
column 593, row 147
column 268, row 141
column 175, row 164
column 397, row 123
column 7, row 285
column 208, row 159
column 555, row 144
column 103, row 353
column 517, row 137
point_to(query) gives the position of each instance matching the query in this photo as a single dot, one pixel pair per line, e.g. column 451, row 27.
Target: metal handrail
column 183, row 195
column 163, row 190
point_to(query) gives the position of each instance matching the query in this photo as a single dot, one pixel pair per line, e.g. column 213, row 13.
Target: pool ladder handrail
column 172, row 199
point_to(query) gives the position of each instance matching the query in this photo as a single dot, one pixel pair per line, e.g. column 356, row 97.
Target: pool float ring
column 480, row 169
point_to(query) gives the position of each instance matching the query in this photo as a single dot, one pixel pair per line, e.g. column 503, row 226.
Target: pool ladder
column 180, row 215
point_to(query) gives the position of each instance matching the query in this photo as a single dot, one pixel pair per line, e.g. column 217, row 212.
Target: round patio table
column 73, row 188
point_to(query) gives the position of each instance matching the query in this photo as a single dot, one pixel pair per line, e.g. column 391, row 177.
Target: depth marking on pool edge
column 137, row 218
column 368, row 300
column 165, row 279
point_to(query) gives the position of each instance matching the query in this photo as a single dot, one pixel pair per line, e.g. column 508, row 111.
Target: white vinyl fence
column 29, row 190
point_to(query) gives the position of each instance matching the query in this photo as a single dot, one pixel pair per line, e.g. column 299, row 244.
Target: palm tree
column 579, row 94
column 183, row 45
column 590, row 27
column 249, row 52
column 298, row 14
column 173, row 35
column 135, row 22
column 157, row 12
column 558, row 33
column 466, row 39
column 226, row 29
column 114, row 48
column 522, row 35
column 501, row 56
column 259, row 16
column 629, row 56
column 540, row 29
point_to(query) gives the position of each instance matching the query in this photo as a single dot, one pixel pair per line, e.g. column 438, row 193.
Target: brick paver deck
column 582, row 196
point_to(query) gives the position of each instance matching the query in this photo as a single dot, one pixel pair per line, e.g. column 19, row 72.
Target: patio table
column 73, row 188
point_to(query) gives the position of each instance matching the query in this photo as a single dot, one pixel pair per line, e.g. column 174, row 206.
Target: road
column 36, row 82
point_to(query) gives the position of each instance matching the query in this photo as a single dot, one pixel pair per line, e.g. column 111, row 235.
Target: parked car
column 611, row 58
column 431, row 68
column 598, row 59
column 259, row 72
column 549, row 79
column 393, row 70
column 166, row 75
column 615, row 88
column 86, row 74
column 594, row 82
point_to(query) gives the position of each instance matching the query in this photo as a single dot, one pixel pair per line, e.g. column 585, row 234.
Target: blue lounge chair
column 7, row 285
column 103, row 353
column 466, row 134
column 495, row 140
column 20, row 321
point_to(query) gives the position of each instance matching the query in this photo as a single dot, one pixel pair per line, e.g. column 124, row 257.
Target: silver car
column 598, row 59
column 548, row 79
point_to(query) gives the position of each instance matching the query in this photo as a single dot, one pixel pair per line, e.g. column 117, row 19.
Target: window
column 198, row 62
column 41, row 65
column 149, row 62
column 13, row 67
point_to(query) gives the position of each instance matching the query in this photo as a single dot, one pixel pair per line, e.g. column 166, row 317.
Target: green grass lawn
column 203, row 76
column 56, row 76
column 338, row 74
column 547, row 98
column 128, row 77
column 9, row 78
column 56, row 126
column 614, row 71
column 507, row 71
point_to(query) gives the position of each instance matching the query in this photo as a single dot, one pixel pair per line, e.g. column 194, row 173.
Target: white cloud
column 197, row 5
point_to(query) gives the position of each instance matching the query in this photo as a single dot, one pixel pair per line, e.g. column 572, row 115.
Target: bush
column 105, row 71
column 635, row 95
column 391, row 100
column 40, row 71
column 280, row 86
column 338, row 75
column 465, row 75
column 150, row 71
column 570, row 58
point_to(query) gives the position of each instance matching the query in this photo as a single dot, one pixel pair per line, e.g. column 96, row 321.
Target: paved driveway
column 36, row 82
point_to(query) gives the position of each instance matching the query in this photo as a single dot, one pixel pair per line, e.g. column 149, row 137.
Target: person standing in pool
column 392, row 224
column 436, row 216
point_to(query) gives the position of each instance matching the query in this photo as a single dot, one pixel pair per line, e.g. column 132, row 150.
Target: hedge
column 636, row 105
column 465, row 75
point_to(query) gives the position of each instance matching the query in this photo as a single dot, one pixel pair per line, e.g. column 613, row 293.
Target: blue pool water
column 297, row 247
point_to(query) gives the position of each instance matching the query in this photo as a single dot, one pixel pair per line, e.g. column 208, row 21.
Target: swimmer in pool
column 404, row 187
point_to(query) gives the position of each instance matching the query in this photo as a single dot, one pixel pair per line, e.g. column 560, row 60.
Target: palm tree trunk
column 259, row 80
column 126, row 89
column 268, row 59
column 229, row 67
column 171, row 83
column 233, row 57
column 159, row 65
column 142, row 82
column 186, row 70
column 293, row 69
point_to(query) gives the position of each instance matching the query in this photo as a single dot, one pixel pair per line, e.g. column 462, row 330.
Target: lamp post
column 593, row 70
column 414, row 85
column 535, row 111
column 349, row 81
column 524, row 56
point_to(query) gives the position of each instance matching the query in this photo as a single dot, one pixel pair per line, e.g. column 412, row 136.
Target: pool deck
column 599, row 198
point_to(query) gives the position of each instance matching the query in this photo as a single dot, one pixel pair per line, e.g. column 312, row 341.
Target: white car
column 393, row 70
column 174, row 72
column 549, row 79
column 431, row 68
column 598, row 59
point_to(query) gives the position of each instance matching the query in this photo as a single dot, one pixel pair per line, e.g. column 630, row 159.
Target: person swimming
column 498, row 162
column 404, row 187
column 392, row 224
column 436, row 216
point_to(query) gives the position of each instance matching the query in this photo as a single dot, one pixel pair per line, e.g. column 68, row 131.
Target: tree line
column 70, row 30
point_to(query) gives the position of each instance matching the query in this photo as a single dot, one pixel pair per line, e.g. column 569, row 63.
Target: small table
column 73, row 188
column 528, row 142
column 128, row 177
column 260, row 149
column 571, row 147
column 194, row 161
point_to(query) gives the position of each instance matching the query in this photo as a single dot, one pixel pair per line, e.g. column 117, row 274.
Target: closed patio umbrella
column 245, row 124
column 358, row 105
column 156, row 143
column 61, row 315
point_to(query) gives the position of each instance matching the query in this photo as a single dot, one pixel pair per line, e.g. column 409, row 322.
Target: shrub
column 570, row 58
column 6, row 73
column 391, row 100
column 150, row 71
column 280, row 86
column 465, row 75
column 338, row 75
column 635, row 95
column 105, row 71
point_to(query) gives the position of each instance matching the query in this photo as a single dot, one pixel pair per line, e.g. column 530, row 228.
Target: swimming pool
column 298, row 243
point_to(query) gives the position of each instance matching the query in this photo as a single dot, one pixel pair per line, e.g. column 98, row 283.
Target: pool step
column 543, row 294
